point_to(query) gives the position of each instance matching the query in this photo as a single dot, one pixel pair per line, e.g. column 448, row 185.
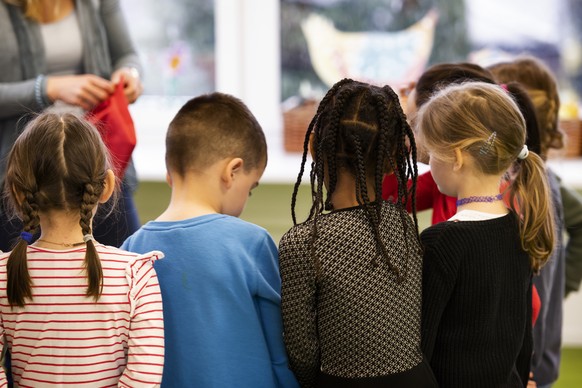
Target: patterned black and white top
column 354, row 320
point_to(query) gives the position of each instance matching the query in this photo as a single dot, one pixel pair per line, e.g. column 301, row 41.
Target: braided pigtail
column 314, row 123
column 18, row 282
column 92, row 262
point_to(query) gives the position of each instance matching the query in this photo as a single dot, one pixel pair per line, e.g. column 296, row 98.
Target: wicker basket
column 572, row 129
column 295, row 123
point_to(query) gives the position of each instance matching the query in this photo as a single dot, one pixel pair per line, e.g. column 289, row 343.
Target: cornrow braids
column 362, row 129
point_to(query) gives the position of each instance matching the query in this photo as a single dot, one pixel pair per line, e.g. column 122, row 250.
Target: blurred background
column 280, row 56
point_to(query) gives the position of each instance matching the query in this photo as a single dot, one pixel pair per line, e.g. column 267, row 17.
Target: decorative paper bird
column 393, row 58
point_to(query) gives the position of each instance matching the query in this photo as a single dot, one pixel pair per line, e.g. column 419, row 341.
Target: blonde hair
column 482, row 120
column 32, row 9
column 542, row 88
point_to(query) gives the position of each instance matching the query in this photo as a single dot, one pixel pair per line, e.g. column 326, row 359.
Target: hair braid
column 322, row 105
column 411, row 171
column 18, row 281
column 92, row 263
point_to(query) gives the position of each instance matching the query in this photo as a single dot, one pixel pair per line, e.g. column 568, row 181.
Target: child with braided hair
column 73, row 311
column 351, row 273
column 478, row 266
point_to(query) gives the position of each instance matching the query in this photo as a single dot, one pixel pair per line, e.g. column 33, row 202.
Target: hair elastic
column 87, row 237
column 504, row 87
column 26, row 236
column 524, row 153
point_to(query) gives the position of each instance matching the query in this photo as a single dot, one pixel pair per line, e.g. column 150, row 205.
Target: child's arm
column 425, row 191
column 572, row 205
column 523, row 362
column 298, row 307
column 145, row 358
column 269, row 308
column 3, row 380
column 438, row 281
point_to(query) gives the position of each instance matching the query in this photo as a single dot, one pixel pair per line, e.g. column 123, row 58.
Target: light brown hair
column 212, row 127
column 59, row 162
column 542, row 88
column 465, row 117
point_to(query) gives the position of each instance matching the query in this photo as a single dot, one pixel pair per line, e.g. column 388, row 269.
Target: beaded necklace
column 483, row 198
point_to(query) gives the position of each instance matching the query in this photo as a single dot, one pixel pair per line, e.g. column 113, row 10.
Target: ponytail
column 530, row 191
column 18, row 281
column 92, row 263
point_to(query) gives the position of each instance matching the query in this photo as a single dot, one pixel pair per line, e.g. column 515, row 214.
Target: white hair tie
column 524, row 153
column 87, row 237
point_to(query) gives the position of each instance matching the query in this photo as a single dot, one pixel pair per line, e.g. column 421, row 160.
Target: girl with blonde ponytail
column 66, row 295
column 478, row 266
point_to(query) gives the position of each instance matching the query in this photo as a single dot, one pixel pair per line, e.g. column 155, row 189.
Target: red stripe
column 22, row 329
column 70, row 355
column 68, row 373
column 148, row 312
column 71, row 338
column 78, row 347
column 15, row 360
column 68, row 321
column 139, row 381
column 65, row 312
column 68, row 382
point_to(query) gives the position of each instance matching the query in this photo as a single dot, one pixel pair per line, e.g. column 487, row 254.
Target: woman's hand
column 85, row 90
column 132, row 83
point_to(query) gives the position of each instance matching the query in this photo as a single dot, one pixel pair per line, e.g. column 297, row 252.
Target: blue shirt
column 221, row 292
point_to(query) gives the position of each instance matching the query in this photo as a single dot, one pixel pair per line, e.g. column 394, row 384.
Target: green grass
column 270, row 207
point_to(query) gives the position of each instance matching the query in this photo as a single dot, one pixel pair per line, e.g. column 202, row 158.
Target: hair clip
column 484, row 150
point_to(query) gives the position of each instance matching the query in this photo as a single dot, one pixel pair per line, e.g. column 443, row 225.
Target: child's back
column 351, row 277
column 220, row 285
column 64, row 337
column 73, row 312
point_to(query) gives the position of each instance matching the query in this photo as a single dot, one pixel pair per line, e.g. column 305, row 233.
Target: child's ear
column 232, row 167
column 168, row 179
column 311, row 150
column 458, row 160
column 108, row 187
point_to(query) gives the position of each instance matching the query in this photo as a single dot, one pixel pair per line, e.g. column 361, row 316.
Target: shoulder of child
column 140, row 269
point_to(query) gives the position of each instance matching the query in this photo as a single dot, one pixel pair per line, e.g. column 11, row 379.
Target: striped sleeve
column 3, row 382
column 146, row 333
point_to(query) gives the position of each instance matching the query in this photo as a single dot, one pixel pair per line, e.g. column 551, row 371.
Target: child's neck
column 191, row 198
column 344, row 194
column 59, row 230
column 481, row 194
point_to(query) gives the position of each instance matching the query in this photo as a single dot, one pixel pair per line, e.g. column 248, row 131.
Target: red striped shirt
column 63, row 338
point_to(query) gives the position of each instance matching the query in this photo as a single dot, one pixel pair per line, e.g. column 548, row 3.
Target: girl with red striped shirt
column 74, row 313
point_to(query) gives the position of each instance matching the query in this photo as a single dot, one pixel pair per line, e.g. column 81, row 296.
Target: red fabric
column 428, row 196
column 114, row 122
column 536, row 304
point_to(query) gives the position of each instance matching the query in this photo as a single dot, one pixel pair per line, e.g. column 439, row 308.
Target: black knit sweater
column 476, row 314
